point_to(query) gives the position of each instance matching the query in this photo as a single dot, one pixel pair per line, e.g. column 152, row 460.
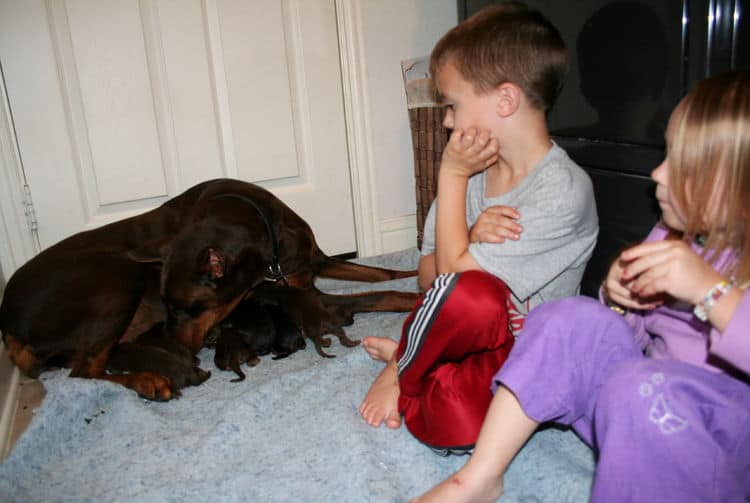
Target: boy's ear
column 508, row 99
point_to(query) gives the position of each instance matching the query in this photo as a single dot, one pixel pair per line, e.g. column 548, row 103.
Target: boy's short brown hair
column 508, row 42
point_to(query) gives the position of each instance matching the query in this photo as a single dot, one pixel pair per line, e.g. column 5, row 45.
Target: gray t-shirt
column 560, row 225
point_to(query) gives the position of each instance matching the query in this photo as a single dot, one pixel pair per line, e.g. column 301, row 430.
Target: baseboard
column 399, row 233
column 9, row 382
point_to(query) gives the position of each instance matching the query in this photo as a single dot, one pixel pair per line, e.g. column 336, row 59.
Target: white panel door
column 120, row 104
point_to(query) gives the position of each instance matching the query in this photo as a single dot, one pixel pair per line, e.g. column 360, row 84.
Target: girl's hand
column 495, row 225
column 617, row 290
column 667, row 267
column 469, row 152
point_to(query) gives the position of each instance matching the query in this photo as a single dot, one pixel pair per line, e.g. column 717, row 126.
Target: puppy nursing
column 254, row 330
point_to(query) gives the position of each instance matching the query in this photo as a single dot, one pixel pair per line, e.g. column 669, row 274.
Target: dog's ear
column 212, row 263
column 154, row 251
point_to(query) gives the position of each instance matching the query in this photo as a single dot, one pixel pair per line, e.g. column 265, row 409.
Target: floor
column 30, row 395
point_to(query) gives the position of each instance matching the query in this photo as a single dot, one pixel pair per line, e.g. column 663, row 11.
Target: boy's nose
column 448, row 120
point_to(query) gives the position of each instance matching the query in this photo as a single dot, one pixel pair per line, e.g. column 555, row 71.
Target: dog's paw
column 153, row 387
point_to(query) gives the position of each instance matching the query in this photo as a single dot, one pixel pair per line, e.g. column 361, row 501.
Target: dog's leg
column 342, row 269
column 146, row 384
column 372, row 301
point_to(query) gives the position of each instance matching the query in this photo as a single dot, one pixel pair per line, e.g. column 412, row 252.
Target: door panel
column 121, row 104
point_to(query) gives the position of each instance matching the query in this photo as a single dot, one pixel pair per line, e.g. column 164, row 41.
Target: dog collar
column 274, row 268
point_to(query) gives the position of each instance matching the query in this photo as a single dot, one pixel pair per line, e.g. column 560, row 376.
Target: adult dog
column 186, row 263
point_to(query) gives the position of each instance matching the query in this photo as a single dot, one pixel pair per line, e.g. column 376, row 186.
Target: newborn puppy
column 156, row 352
column 245, row 334
column 288, row 335
column 253, row 321
column 232, row 351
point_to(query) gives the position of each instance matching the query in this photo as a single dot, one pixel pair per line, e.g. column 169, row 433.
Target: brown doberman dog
column 186, row 263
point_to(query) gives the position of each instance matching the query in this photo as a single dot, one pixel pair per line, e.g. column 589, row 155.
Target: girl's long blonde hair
column 709, row 156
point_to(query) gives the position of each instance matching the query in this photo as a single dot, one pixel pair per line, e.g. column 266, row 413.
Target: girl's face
column 672, row 215
column 465, row 108
column 670, row 212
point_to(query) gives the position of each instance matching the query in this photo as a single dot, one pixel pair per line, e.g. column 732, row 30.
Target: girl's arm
column 730, row 339
column 673, row 268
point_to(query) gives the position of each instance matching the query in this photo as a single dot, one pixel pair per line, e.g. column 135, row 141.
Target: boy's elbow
column 462, row 262
column 425, row 282
column 426, row 272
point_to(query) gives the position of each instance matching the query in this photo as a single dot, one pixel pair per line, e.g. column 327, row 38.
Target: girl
column 658, row 384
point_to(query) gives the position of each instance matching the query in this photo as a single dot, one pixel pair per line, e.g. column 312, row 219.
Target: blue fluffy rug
column 289, row 432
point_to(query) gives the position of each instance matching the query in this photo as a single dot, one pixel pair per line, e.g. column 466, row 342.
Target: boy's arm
column 427, row 271
column 466, row 154
column 451, row 231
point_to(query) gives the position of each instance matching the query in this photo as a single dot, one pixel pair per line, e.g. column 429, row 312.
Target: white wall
column 394, row 30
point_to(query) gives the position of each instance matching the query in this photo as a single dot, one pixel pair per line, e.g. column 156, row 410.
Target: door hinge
column 28, row 209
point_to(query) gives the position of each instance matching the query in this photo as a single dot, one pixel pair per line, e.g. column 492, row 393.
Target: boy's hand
column 469, row 152
column 495, row 225
column 669, row 267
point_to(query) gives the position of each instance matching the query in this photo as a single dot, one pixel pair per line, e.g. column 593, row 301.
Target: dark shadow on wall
column 622, row 62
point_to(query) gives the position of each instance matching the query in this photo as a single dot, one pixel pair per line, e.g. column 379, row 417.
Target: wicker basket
column 427, row 133
column 428, row 140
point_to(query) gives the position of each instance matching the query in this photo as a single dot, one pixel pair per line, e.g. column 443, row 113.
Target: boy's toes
column 393, row 420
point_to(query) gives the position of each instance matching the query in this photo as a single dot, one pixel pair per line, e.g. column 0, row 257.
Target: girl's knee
column 641, row 392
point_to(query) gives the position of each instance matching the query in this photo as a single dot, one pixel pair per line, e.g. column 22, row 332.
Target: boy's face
column 465, row 109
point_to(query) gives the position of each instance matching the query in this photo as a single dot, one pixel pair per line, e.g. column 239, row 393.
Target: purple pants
column 663, row 430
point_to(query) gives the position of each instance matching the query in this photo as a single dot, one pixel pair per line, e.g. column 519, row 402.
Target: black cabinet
column 630, row 63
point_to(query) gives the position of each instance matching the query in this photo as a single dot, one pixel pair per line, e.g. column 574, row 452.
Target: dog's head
column 207, row 269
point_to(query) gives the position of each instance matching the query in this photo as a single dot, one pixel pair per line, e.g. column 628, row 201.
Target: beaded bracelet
column 716, row 292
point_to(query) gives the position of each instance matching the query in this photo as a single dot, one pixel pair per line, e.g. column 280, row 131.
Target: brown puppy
column 289, row 338
column 189, row 262
column 156, row 352
column 254, row 330
column 232, row 350
column 306, row 310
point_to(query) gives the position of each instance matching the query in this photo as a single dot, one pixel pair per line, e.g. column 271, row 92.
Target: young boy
column 513, row 225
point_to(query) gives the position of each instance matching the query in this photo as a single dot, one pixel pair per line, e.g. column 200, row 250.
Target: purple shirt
column 672, row 331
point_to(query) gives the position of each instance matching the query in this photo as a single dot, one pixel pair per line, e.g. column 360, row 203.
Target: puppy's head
column 289, row 338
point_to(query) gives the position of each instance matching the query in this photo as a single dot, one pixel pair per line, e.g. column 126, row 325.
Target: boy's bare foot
column 463, row 486
column 381, row 402
column 380, row 348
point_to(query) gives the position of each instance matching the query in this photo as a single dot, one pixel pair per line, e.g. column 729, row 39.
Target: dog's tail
column 342, row 269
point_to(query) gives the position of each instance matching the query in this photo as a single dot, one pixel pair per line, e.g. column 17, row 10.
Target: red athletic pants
column 452, row 343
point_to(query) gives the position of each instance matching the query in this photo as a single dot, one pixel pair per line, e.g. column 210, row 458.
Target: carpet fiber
column 289, row 432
